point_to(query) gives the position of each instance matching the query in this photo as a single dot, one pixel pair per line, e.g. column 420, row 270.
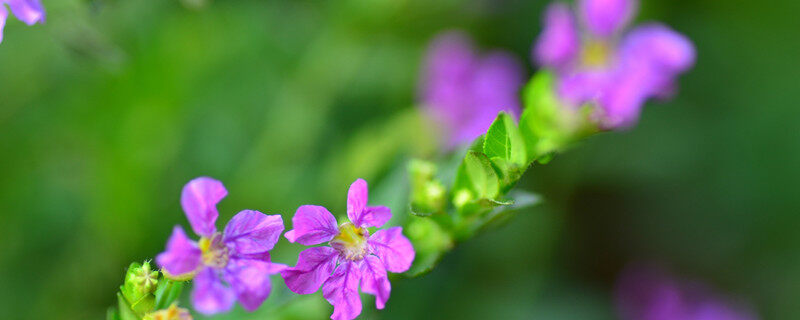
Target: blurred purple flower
column 362, row 259
column 463, row 92
column 28, row 11
column 645, row 293
column 228, row 266
column 617, row 75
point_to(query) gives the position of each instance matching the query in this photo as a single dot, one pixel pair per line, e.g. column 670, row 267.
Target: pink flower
column 353, row 259
column 229, row 266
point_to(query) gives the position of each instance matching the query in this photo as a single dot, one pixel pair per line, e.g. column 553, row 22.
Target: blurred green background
column 111, row 106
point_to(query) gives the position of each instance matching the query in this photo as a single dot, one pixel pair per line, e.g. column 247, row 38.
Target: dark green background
column 111, row 106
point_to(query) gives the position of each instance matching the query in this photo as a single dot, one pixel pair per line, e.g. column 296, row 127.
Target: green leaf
column 504, row 141
column 476, row 179
column 125, row 312
column 517, row 200
column 547, row 125
column 112, row 314
column 167, row 292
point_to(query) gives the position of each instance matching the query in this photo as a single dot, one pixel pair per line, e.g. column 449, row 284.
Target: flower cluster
column 597, row 64
column 235, row 264
column 28, row 11
column 463, row 92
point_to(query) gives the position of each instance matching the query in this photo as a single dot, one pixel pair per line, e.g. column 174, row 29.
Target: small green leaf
column 167, row 292
column 517, row 200
column 112, row 314
column 504, row 141
column 477, row 177
column 125, row 312
column 547, row 125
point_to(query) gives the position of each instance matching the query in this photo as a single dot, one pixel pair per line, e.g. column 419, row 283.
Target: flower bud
column 140, row 284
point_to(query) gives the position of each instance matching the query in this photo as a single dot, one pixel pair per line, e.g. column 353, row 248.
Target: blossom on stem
column 645, row 293
column 463, row 92
column 28, row 11
column 617, row 74
column 353, row 258
column 228, row 266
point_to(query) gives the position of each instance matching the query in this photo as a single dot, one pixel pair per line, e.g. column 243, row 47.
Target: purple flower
column 28, row 11
column 228, row 266
column 463, row 92
column 645, row 293
column 352, row 258
column 618, row 76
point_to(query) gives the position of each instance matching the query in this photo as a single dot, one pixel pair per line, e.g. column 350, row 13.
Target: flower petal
column 558, row 44
column 341, row 290
column 251, row 232
column 314, row 266
column 210, row 295
column 3, row 17
column 28, row 11
column 312, row 225
column 664, row 49
column 182, row 255
column 375, row 281
column 199, row 200
column 376, row 216
column 250, row 281
column 605, row 17
column 393, row 248
column 357, row 201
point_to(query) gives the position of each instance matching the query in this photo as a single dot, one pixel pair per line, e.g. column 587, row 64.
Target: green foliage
column 476, row 183
column 504, row 141
column 168, row 291
column 547, row 125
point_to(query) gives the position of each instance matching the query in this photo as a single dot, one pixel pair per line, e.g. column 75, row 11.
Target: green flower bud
column 140, row 284
column 428, row 195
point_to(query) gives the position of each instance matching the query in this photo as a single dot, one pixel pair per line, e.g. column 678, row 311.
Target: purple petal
column 3, row 17
column 376, row 216
column 341, row 290
column 374, row 280
column 393, row 248
column 495, row 87
column 312, row 225
column 664, row 49
column 623, row 99
column 314, row 266
column 250, row 281
column 28, row 11
column 447, row 75
column 251, row 231
column 199, row 200
column 606, row 17
column 647, row 294
column 558, row 44
column 357, row 201
column 210, row 295
column 498, row 79
column 182, row 255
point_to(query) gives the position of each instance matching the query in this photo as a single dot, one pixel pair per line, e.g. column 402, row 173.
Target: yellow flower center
column 215, row 253
column 351, row 242
column 596, row 53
